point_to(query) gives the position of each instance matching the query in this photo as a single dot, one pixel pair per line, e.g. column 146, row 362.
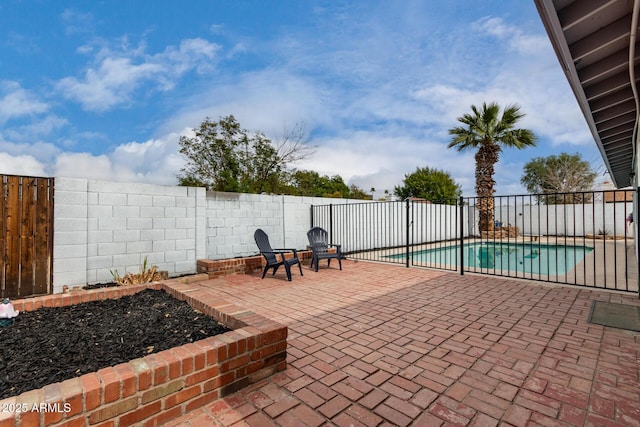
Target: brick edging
column 156, row 388
column 244, row 265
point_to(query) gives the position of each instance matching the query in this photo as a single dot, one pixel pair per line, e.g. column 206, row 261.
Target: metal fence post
column 330, row 223
column 312, row 225
column 461, row 236
column 408, row 232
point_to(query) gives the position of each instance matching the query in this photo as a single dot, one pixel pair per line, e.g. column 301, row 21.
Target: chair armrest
column 281, row 252
column 338, row 248
column 295, row 251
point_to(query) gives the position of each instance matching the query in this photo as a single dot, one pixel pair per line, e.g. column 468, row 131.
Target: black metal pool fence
column 584, row 239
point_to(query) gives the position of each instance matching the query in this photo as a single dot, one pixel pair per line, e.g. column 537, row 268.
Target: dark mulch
column 49, row 345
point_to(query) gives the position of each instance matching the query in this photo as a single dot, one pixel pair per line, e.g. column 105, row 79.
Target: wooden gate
column 26, row 236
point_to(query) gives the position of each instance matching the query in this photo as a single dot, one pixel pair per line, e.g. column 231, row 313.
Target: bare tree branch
column 293, row 144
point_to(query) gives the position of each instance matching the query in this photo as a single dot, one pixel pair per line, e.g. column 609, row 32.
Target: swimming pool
column 534, row 258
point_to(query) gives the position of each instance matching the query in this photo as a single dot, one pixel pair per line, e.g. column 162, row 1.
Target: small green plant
column 604, row 233
column 146, row 275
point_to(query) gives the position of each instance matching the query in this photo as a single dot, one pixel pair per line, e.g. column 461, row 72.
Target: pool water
column 532, row 258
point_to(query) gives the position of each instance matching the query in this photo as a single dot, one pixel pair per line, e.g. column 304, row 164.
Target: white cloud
column 191, row 54
column 21, row 43
column 380, row 181
column 154, row 161
column 17, row 102
column 77, row 22
column 381, row 159
column 262, row 101
column 111, row 84
column 496, row 27
column 512, row 35
column 21, row 165
column 237, row 49
column 216, row 29
column 118, row 74
column 550, row 109
column 83, row 165
column 38, row 128
column 43, row 152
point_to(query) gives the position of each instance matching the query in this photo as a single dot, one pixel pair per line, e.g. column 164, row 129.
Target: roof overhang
column 591, row 40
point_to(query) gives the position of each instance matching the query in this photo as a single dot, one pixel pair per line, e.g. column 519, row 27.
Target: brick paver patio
column 380, row 344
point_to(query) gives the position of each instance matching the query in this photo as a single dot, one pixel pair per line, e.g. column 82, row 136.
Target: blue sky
column 104, row 89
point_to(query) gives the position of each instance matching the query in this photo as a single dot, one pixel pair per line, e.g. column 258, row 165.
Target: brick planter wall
column 245, row 265
column 161, row 386
column 501, row 233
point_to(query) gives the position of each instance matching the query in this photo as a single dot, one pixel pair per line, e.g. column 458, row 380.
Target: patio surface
column 380, row 344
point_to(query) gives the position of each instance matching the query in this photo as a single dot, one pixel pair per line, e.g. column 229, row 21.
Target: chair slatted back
column 262, row 241
column 318, row 239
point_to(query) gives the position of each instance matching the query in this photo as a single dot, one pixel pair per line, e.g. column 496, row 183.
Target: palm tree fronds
column 488, row 131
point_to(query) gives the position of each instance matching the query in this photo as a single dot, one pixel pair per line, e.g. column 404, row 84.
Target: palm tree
column 487, row 131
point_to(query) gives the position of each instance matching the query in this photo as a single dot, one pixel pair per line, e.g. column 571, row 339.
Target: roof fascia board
column 550, row 20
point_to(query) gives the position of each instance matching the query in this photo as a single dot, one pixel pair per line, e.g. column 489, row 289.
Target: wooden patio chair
column 318, row 240
column 275, row 257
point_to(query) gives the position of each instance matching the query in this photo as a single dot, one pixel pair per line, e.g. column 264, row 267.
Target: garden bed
column 53, row 344
column 160, row 385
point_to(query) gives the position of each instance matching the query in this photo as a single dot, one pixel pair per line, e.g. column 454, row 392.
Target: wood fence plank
column 43, row 235
column 26, row 241
column 27, row 221
column 12, row 264
column 3, row 233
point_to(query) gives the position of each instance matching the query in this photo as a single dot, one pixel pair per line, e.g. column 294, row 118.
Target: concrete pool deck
column 610, row 265
column 379, row 344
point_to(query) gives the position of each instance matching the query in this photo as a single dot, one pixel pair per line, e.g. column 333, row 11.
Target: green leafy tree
column 356, row 192
column 311, row 183
column 222, row 156
column 211, row 155
column 565, row 173
column 487, row 131
column 431, row 184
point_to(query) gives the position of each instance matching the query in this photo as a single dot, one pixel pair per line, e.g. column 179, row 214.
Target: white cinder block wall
column 70, row 234
column 103, row 226
column 232, row 219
